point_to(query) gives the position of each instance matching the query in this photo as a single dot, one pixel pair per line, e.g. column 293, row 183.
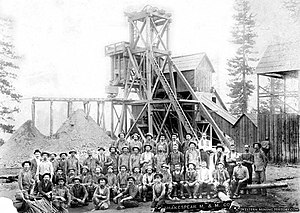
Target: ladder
column 182, row 117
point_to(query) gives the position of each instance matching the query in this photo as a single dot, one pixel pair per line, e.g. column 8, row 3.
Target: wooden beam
column 51, row 118
column 135, row 120
column 98, row 113
column 70, row 99
column 164, row 120
column 69, row 110
column 266, row 185
column 112, row 119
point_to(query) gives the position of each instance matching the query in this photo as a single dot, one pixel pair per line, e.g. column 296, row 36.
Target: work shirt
column 54, row 164
column 102, row 160
column 132, row 191
column 191, row 176
column 177, row 176
column 122, row 179
column 260, row 161
column 44, row 187
column 96, row 177
column 25, row 180
column 34, row 165
column 219, row 157
column 135, row 143
column 148, row 179
column 147, row 159
column 56, row 176
column 62, row 163
column 120, row 143
column 232, row 156
column 176, row 158
column 85, row 178
column 73, row 163
column 62, row 192
column 103, row 192
column 240, row 172
column 204, row 175
column 124, row 160
column 159, row 159
column 152, row 143
column 185, row 145
column 220, row 175
column 164, row 144
column 247, row 157
column 167, row 177
column 78, row 191
column 138, row 178
column 113, row 160
column 192, row 156
column 91, row 163
column 204, row 157
column 134, row 161
column 159, row 190
column 111, row 179
column 171, row 144
column 45, row 167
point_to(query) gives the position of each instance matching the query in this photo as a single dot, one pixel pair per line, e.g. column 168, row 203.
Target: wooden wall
column 203, row 76
column 283, row 133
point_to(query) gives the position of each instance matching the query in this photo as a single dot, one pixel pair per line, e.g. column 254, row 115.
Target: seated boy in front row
column 159, row 191
column 178, row 181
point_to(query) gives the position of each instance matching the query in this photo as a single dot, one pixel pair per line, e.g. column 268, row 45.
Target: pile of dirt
column 78, row 132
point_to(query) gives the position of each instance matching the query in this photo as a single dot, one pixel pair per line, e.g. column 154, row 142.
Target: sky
column 62, row 42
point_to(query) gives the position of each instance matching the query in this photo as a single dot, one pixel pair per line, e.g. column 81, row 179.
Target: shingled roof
column 280, row 57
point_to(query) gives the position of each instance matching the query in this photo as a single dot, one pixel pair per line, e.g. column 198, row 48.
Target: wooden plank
column 51, row 118
column 33, row 112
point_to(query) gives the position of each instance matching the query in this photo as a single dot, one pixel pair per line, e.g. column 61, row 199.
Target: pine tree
column 239, row 66
column 8, row 68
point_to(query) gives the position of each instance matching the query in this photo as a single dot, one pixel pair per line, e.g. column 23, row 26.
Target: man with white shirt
column 205, row 180
column 35, row 161
column 44, row 167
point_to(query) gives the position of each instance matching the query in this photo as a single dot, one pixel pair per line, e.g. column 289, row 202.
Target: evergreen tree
column 8, row 68
column 240, row 66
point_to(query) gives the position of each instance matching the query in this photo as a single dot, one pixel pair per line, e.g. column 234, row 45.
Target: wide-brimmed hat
column 131, row 177
column 190, row 134
column 221, row 163
column 62, row 154
column 101, row 148
column 85, row 167
column 136, row 147
column 37, row 150
column 194, row 142
column 149, row 167
column 110, row 167
column 71, row 169
column 76, row 178
column 45, row 175
column 61, row 178
column 247, row 146
column 174, row 133
column 45, row 153
column 135, row 168
column 137, row 134
column 121, row 133
column 165, row 165
column 123, row 166
column 191, row 164
column 148, row 145
column 259, row 144
column 72, row 150
column 111, row 148
column 158, row 174
column 125, row 147
column 53, row 154
column 221, row 146
column 103, row 178
column 27, row 161
column 149, row 134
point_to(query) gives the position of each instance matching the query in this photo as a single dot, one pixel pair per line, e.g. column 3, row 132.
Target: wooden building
column 280, row 122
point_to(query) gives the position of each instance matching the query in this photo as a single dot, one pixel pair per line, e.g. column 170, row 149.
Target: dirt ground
column 288, row 197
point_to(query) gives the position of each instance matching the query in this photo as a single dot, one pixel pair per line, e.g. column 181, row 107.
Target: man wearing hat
column 147, row 157
column 85, row 175
column 45, row 186
column 91, row 162
column 192, row 155
column 58, row 174
column 102, row 159
column 240, row 177
column 150, row 141
column 26, row 179
column 61, row 196
column 163, row 142
column 54, row 161
column 97, row 175
column 176, row 157
column 160, row 158
column 113, row 159
column 35, row 161
column 44, row 167
column 62, row 162
column 147, row 181
column 111, row 181
column 204, row 180
column 221, row 178
column 73, row 162
column 135, row 158
column 159, row 192
column 191, row 181
column 174, row 140
column 248, row 160
column 70, row 176
column 135, row 142
column 186, row 142
column 219, row 156
column 128, row 198
column 101, row 195
column 231, row 160
column 124, row 158
column 260, row 164
column 78, row 193
column 121, row 141
column 122, row 178
column 167, row 180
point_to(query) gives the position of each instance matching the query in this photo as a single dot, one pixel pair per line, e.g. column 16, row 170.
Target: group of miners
column 137, row 170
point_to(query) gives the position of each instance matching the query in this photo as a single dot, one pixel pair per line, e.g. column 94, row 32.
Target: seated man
column 78, row 193
column 45, row 186
column 128, row 198
column 147, row 182
column 221, row 179
column 111, row 181
column 191, row 181
column 240, row 177
column 57, row 175
column 178, row 181
column 71, row 175
column 101, row 195
column 61, row 196
column 205, row 180
column 167, row 180
column 85, row 175
column 138, row 179
column 98, row 174
column 90, row 188
column 122, row 178
column 26, row 179
column 159, row 191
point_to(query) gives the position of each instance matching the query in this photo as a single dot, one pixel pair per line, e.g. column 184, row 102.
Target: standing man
column 26, row 179
column 44, row 167
column 186, row 142
column 174, row 140
column 260, row 164
column 147, row 157
column 35, row 161
column 192, row 155
column 240, row 177
column 176, row 157
column 54, row 161
column 124, row 158
column 128, row 198
column 102, row 159
column 91, row 162
column 135, row 142
column 248, row 160
column 231, row 160
column 62, row 162
column 265, row 146
column 135, row 158
column 151, row 142
column 113, row 159
column 219, row 156
column 73, row 162
column 162, row 142
column 160, row 158
column 121, row 141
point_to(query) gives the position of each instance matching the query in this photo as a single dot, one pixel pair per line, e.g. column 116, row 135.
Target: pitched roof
column 216, row 108
column 189, row 62
column 280, row 57
column 251, row 116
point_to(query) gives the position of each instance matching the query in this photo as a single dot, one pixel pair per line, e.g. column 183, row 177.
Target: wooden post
column 51, row 118
column 125, row 117
column 149, row 74
column 112, row 118
column 284, row 94
column 70, row 105
column 272, row 107
column 103, row 116
column 33, row 112
column 98, row 113
column 258, row 118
